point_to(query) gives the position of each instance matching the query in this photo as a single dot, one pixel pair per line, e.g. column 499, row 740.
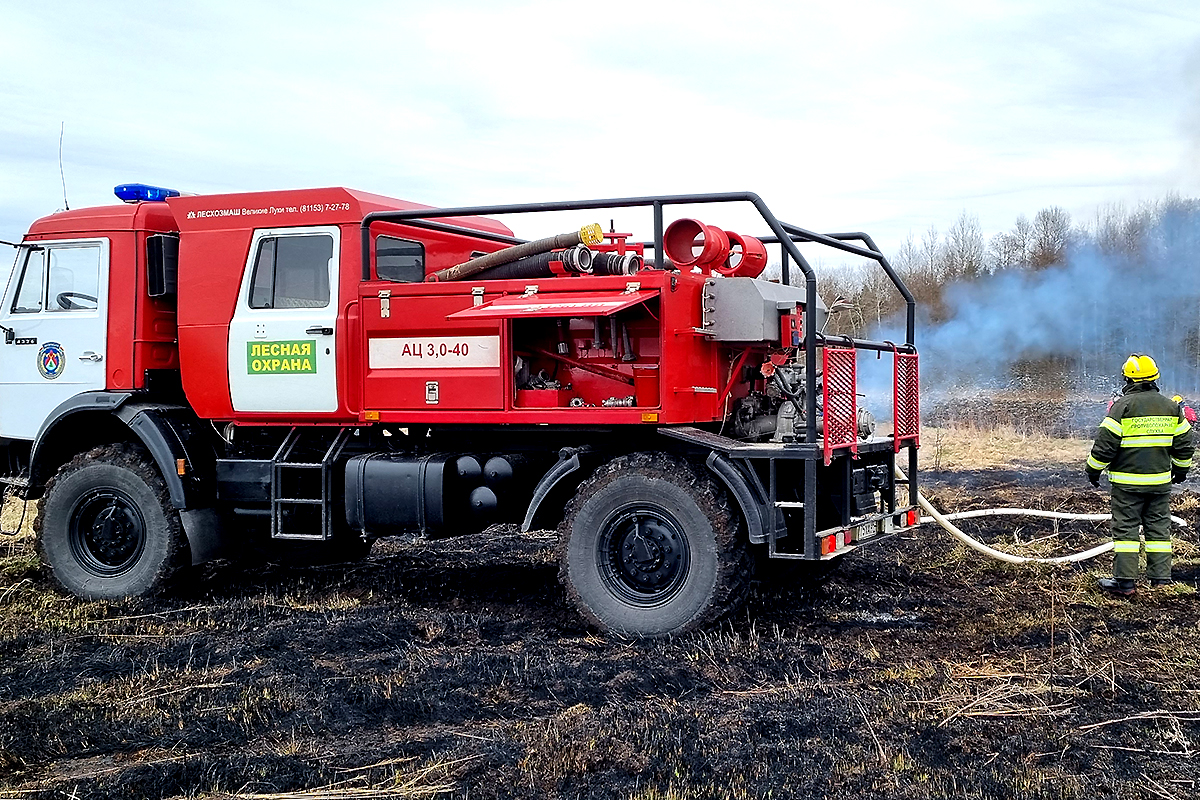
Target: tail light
column 913, row 518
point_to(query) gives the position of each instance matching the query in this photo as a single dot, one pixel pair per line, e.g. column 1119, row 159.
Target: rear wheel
column 107, row 528
column 649, row 546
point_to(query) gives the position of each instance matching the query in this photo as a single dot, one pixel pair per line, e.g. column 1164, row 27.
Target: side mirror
column 162, row 264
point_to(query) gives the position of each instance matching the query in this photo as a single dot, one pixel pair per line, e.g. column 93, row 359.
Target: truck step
column 301, row 501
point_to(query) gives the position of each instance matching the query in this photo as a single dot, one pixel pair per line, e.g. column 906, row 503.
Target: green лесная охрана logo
column 281, row 358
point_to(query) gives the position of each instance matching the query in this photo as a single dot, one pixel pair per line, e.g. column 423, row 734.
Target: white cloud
column 879, row 116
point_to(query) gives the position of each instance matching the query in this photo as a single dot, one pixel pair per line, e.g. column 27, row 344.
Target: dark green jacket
column 1141, row 439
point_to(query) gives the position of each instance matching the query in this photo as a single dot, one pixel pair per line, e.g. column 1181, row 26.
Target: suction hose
column 991, row 552
column 589, row 234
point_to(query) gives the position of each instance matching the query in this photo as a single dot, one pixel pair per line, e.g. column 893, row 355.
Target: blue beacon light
column 139, row 192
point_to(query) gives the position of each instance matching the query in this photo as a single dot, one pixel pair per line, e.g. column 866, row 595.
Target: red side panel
column 210, row 273
column 123, row 298
column 418, row 359
column 154, row 344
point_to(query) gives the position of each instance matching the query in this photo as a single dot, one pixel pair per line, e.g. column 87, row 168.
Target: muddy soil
column 916, row 671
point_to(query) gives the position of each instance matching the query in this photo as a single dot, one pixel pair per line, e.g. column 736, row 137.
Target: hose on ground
column 999, row 555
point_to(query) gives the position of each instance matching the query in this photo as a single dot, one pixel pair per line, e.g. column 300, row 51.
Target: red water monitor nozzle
column 690, row 243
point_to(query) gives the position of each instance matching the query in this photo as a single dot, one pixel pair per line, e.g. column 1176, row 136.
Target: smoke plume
column 1068, row 327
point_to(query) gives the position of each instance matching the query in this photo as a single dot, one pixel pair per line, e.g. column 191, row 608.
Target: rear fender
column 747, row 494
column 566, row 474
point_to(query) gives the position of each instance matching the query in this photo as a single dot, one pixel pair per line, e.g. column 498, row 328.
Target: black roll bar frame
column 786, row 235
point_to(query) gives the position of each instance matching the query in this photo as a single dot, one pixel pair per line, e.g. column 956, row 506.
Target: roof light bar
column 141, row 192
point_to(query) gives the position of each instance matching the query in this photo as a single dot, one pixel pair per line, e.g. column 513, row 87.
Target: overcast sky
column 882, row 116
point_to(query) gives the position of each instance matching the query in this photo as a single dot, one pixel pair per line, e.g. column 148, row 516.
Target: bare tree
column 1051, row 235
column 1010, row 249
column 964, row 251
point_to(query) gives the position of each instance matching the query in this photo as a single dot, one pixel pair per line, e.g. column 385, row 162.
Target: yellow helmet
column 1139, row 368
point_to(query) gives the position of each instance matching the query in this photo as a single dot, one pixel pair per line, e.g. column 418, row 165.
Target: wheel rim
column 107, row 532
column 643, row 555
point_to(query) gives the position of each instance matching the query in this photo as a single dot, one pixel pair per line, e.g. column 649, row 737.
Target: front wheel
column 107, row 529
column 650, row 546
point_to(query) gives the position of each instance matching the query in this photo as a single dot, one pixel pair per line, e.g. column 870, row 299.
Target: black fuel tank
column 437, row 495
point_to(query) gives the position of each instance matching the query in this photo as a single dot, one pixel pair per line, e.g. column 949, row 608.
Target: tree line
column 1127, row 279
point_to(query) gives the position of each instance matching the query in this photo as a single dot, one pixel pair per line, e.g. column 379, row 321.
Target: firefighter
column 1145, row 443
column 1189, row 413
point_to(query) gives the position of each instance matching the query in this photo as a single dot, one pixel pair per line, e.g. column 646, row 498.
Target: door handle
column 317, row 330
column 90, row 355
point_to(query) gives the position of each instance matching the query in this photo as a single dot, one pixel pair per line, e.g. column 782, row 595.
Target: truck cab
column 78, row 314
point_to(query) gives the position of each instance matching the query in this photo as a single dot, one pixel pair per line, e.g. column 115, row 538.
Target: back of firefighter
column 1145, row 443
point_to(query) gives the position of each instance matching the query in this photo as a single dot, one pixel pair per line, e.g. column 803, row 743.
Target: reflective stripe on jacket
column 1141, row 439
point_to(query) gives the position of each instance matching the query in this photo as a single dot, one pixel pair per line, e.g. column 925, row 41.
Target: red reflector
column 850, row 536
column 913, row 519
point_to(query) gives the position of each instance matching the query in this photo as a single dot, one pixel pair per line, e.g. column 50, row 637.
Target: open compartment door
column 558, row 304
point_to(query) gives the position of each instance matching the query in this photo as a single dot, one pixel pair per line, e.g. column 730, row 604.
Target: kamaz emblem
column 51, row 360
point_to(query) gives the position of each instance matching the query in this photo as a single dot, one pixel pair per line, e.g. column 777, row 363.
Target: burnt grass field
column 457, row 668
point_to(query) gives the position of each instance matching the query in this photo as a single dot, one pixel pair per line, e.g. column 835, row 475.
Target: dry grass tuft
column 963, row 447
column 16, row 525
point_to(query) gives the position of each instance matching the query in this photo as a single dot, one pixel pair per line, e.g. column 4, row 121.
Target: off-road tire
column 150, row 544
column 687, row 509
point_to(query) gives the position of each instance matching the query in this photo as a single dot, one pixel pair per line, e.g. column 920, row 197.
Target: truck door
column 282, row 348
column 56, row 307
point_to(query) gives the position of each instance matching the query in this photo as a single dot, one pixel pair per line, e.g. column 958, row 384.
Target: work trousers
column 1152, row 511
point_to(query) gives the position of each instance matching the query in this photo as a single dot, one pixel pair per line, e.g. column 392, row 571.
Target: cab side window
column 399, row 260
column 74, row 283
column 292, row 272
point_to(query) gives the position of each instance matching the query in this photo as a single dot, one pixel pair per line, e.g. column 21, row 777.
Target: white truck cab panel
column 55, row 330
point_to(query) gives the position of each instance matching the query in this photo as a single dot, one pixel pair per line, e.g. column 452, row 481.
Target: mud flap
column 202, row 527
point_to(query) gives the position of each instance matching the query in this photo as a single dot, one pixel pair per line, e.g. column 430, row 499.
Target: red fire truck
column 183, row 375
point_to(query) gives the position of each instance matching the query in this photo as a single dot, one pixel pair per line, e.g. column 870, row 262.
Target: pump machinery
column 185, row 378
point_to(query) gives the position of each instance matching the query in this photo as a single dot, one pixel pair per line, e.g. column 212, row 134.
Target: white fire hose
column 999, row 555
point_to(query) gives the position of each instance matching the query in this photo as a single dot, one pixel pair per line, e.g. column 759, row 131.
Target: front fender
column 172, row 435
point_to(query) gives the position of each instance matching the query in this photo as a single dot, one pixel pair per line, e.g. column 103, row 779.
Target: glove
column 1093, row 476
column 1178, row 475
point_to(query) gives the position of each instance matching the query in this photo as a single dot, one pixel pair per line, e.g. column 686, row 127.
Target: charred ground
column 457, row 667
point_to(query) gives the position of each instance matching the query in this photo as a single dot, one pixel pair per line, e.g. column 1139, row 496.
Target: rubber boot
column 1158, row 582
column 1122, row 587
